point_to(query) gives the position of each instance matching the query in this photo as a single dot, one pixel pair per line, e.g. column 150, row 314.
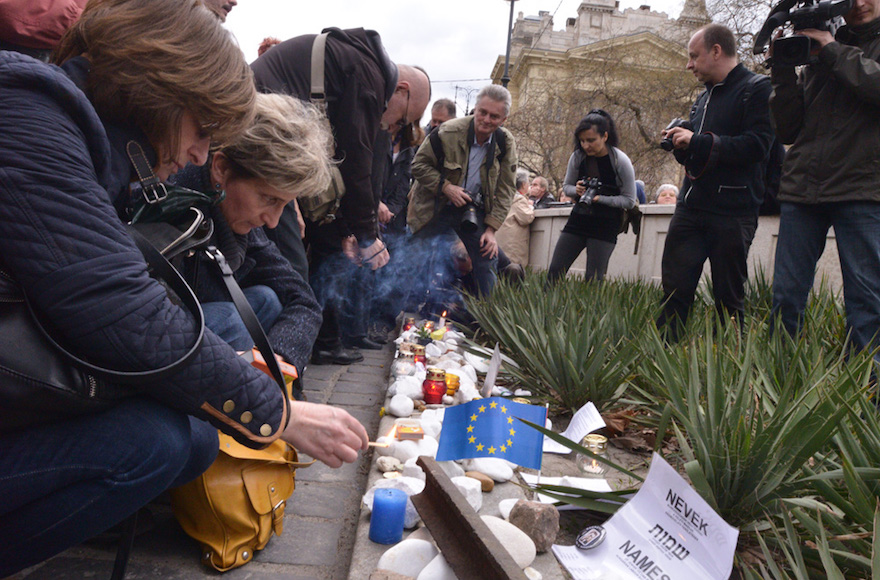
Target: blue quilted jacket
column 61, row 238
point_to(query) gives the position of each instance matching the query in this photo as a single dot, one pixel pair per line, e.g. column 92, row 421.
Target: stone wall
column 640, row 257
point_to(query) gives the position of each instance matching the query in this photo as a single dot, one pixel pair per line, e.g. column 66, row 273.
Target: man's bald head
column 410, row 98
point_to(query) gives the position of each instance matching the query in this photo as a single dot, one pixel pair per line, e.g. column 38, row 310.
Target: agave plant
column 574, row 341
column 744, row 433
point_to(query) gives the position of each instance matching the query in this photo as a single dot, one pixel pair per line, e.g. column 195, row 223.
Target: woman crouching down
column 283, row 154
column 166, row 74
column 601, row 177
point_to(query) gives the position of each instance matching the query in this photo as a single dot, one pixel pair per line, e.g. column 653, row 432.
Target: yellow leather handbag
column 233, row 509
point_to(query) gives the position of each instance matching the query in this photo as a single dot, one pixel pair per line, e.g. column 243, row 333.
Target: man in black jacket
column 830, row 114
column 724, row 153
column 365, row 94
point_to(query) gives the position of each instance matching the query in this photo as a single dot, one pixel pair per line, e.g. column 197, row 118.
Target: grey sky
column 456, row 41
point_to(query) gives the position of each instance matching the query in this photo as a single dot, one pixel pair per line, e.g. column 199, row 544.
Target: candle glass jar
column 453, row 382
column 589, row 466
column 409, row 323
column 434, row 386
column 403, row 366
column 419, row 353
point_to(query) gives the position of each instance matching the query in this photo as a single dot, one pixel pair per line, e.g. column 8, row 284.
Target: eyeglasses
column 403, row 122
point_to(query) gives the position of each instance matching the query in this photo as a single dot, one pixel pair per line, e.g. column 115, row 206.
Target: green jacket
column 426, row 197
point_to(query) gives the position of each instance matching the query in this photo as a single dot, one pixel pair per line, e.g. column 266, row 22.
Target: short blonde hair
column 151, row 61
column 288, row 146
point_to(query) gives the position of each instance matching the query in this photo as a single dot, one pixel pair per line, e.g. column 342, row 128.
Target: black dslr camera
column 666, row 144
column 584, row 204
column 794, row 50
column 470, row 219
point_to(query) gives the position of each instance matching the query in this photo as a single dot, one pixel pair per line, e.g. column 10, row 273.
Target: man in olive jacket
column 830, row 115
column 464, row 160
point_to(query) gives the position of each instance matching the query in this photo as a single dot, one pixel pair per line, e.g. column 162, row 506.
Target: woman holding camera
column 600, row 177
column 165, row 75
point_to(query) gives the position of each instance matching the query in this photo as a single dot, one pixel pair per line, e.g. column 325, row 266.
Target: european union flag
column 488, row 428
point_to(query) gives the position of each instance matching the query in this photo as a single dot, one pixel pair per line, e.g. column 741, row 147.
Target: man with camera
column 464, row 182
column 830, row 115
column 723, row 147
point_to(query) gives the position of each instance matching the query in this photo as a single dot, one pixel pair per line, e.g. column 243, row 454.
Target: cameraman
column 724, row 154
column 831, row 175
column 467, row 165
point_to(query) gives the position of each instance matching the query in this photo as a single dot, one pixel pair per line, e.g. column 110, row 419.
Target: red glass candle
column 409, row 323
column 419, row 354
column 434, row 386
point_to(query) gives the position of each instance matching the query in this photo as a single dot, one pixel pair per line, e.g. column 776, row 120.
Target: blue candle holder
column 386, row 521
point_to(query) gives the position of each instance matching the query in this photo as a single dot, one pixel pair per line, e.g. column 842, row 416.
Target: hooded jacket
column 62, row 240
column 359, row 79
column 727, row 155
column 831, row 118
column 497, row 176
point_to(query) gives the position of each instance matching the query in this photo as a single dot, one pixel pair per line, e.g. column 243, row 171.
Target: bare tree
column 640, row 93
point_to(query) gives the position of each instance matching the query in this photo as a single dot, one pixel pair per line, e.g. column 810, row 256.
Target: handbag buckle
column 154, row 192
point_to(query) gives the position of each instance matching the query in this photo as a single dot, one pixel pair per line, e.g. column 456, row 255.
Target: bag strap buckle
column 153, row 190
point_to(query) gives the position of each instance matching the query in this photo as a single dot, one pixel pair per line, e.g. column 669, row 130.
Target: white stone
column 421, row 533
column 428, row 446
column 514, row 540
column 451, row 342
column 480, row 364
column 500, row 392
column 408, row 558
column 448, row 400
column 505, row 505
column 471, row 489
column 431, row 427
column 401, row 406
column 410, row 386
column 386, row 464
column 497, row 469
column 403, row 450
column 466, row 393
column 454, row 334
column 410, row 469
column 522, row 393
column 451, row 468
column 432, row 415
column 469, row 371
column 437, row 569
column 433, row 349
column 531, row 573
column 409, row 485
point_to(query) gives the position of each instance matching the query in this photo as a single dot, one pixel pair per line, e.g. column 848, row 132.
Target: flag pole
column 546, row 413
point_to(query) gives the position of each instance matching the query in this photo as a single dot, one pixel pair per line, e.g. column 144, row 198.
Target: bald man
column 368, row 98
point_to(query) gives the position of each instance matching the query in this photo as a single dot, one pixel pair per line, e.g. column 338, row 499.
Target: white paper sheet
column 665, row 531
column 586, row 420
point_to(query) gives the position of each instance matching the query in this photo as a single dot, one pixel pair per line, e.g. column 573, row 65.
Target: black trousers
column 693, row 237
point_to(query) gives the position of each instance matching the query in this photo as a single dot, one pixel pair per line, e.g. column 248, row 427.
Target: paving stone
column 310, row 384
column 356, row 399
column 318, row 500
column 304, row 542
column 323, row 372
column 320, row 473
column 354, row 385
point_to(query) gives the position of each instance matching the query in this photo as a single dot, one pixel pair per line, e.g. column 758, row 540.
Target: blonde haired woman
column 282, row 155
column 164, row 74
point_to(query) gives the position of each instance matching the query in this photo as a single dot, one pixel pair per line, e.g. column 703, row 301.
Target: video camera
column 794, row 49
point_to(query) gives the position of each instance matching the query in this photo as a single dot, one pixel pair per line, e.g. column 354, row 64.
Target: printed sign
column 665, row 532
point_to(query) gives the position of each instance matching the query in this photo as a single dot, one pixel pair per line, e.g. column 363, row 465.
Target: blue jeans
column 802, row 231
column 61, row 484
column 449, row 220
column 224, row 320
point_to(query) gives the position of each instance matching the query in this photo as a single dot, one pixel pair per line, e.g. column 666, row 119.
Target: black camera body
column 795, row 50
column 470, row 219
column 666, row 143
column 584, row 204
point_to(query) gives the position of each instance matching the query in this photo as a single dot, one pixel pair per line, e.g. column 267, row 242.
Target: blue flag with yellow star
column 489, row 428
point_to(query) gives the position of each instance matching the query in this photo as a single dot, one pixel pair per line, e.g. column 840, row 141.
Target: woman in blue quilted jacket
column 166, row 75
